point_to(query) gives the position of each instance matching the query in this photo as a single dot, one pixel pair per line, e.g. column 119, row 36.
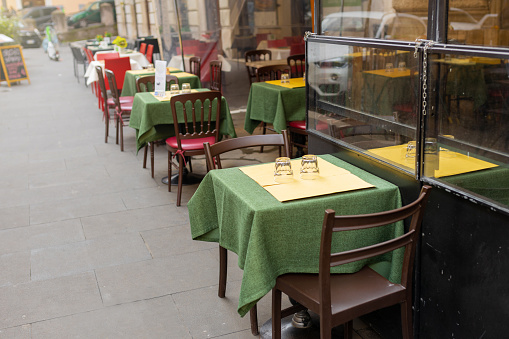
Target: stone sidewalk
column 90, row 245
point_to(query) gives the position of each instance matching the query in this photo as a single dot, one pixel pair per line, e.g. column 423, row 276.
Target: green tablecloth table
column 152, row 119
column 274, row 105
column 273, row 238
column 129, row 87
column 383, row 90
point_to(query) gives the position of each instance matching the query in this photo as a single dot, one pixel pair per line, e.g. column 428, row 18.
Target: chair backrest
column 150, row 53
column 273, row 72
column 102, row 86
column 339, row 223
column 113, row 88
column 119, row 66
column 256, row 55
column 143, row 48
column 297, row 63
column 215, row 75
column 89, row 54
column 106, row 56
column 78, row 55
column 195, row 66
column 146, row 83
column 196, row 115
column 215, row 150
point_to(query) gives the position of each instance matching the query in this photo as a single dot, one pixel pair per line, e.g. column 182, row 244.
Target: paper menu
column 160, row 78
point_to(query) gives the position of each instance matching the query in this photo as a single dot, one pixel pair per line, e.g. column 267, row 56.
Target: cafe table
column 152, row 119
column 385, row 88
column 133, row 55
column 129, row 88
column 275, row 103
column 272, row 238
column 98, row 48
column 261, row 63
column 91, row 74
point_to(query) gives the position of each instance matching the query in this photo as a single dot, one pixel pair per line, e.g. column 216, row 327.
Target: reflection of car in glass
column 41, row 15
column 328, row 77
column 90, row 15
column 462, row 20
column 379, row 25
column 30, row 37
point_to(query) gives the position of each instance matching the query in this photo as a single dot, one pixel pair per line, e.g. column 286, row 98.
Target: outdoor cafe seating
column 122, row 110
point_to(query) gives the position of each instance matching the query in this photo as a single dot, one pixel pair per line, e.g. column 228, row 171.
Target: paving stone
column 154, row 318
column 18, row 332
column 158, row 277
column 41, row 300
column 141, row 198
column 14, row 216
column 135, row 220
column 86, row 255
column 14, row 268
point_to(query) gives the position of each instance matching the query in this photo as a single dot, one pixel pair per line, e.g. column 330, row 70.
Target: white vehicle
column 468, row 22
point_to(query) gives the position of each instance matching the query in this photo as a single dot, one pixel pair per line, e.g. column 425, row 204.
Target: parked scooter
column 50, row 43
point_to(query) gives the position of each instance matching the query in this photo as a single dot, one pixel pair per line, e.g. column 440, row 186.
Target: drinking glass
column 283, row 170
column 389, row 67
column 401, row 66
column 309, row 167
column 174, row 89
column 186, row 88
column 410, row 149
column 285, row 78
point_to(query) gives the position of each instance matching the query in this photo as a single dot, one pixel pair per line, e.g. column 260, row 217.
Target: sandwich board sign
column 12, row 65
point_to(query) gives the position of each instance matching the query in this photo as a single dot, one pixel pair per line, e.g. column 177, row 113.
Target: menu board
column 12, row 65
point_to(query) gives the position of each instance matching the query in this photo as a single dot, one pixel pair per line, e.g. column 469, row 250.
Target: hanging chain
column 427, row 46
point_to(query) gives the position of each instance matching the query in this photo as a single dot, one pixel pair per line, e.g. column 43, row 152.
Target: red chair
column 122, row 111
column 150, row 53
column 119, row 66
column 105, row 56
column 90, row 58
column 108, row 103
column 143, row 48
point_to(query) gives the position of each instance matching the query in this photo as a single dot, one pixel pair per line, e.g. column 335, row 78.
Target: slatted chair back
column 256, row 55
column 273, row 72
column 215, row 75
column 298, row 64
column 195, row 66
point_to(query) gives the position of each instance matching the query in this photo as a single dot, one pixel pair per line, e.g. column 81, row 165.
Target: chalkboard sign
column 13, row 66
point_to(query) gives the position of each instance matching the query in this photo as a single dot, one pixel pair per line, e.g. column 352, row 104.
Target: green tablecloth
column 152, row 119
column 274, row 105
column 273, row 238
column 129, row 87
column 382, row 93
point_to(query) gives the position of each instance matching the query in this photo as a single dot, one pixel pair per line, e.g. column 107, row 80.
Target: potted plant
column 120, row 44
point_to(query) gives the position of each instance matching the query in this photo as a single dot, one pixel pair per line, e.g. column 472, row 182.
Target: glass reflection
column 359, row 99
column 470, row 121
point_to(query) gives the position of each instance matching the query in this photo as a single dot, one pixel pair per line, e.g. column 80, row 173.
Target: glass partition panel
column 484, row 23
column 383, row 19
column 365, row 98
column 467, row 139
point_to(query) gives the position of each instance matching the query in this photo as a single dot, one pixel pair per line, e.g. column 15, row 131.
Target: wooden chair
column 195, row 123
column 122, row 111
column 297, row 63
column 212, row 156
column 107, row 103
column 119, row 66
column 256, row 55
column 266, row 73
column 150, row 53
column 215, row 75
column 195, row 66
column 146, row 84
column 340, row 298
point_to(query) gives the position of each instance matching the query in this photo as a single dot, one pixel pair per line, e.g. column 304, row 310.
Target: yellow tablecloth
column 450, row 163
column 332, row 179
column 294, row 83
column 395, row 73
column 167, row 96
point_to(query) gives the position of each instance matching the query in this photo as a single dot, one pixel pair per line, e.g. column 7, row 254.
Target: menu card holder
column 160, row 78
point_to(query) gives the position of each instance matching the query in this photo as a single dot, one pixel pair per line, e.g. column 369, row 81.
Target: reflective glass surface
column 365, row 98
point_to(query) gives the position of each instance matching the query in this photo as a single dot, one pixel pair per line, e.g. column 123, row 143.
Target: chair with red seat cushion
column 340, row 298
column 106, row 56
column 195, row 117
column 299, row 128
column 107, row 103
column 119, row 66
column 122, row 110
column 143, row 48
column 150, row 53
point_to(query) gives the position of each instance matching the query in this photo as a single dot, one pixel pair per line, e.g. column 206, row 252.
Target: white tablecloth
column 91, row 74
column 136, row 56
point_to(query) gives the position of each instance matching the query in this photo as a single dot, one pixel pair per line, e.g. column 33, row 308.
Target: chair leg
column 223, row 270
column 152, row 158
column 107, row 124
column 190, row 165
column 406, row 320
column 264, row 130
column 253, row 317
column 121, row 137
column 169, row 171
column 179, row 187
column 348, row 327
column 276, row 314
column 117, row 121
column 145, row 151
